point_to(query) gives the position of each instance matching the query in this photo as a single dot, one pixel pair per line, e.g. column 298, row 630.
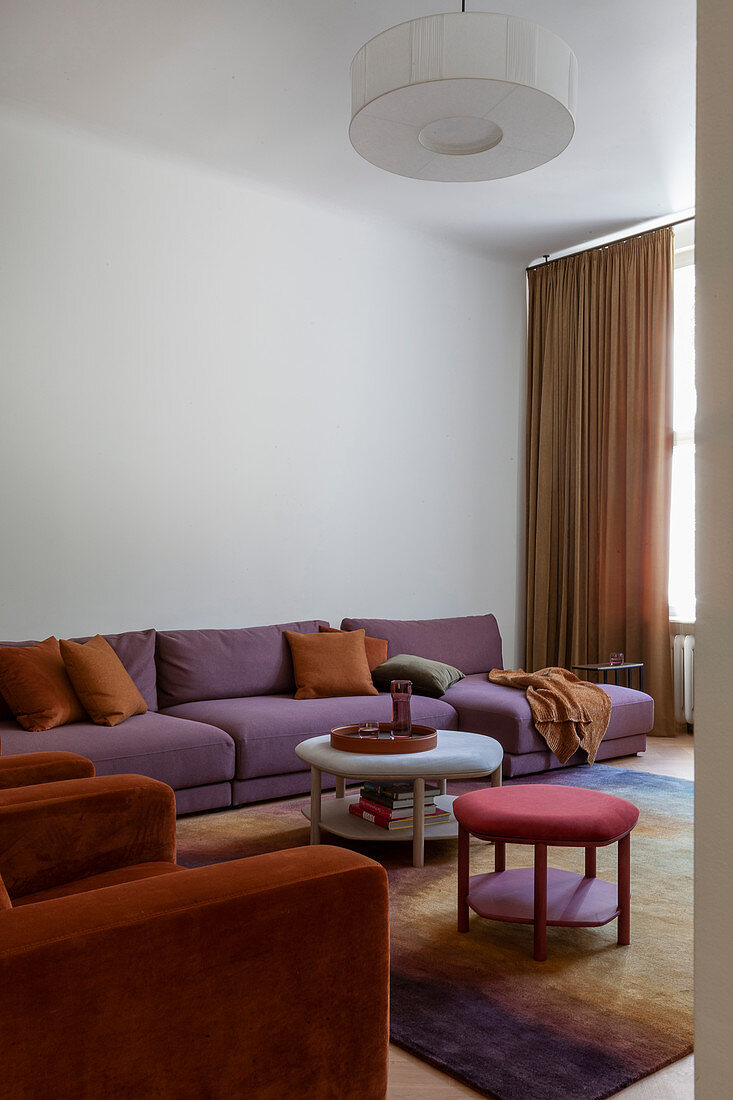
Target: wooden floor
column 411, row 1079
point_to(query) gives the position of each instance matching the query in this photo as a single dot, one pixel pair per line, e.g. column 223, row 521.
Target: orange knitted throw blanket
column 569, row 713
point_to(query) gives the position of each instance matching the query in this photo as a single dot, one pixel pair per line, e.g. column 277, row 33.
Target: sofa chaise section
column 473, row 644
column 504, row 713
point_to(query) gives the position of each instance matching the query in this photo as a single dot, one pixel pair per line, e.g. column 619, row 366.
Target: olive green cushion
column 428, row 677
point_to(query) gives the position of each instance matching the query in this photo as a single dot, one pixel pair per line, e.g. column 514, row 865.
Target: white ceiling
column 260, row 89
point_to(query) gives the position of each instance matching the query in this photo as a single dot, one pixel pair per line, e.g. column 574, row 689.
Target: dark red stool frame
column 540, row 918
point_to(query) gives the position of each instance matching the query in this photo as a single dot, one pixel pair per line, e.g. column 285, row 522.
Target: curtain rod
column 616, row 240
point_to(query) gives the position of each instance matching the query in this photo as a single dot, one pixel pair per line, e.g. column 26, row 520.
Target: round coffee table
column 457, row 756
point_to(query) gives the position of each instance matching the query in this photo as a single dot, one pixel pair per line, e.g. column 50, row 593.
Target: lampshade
column 463, row 96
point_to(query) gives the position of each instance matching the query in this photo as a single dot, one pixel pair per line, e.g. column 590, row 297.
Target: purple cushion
column 504, row 713
column 226, row 664
column 136, row 650
column 472, row 642
column 267, row 728
column 182, row 754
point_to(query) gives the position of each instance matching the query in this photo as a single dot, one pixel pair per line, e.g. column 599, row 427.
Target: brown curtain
column 599, row 460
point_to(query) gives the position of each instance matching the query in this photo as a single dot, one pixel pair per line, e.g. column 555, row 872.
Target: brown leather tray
column 347, row 739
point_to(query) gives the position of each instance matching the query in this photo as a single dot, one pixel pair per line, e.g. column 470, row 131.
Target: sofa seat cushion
column 503, row 713
column 267, row 728
column 181, row 754
column 119, row 875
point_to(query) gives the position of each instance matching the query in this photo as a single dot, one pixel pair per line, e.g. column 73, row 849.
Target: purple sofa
column 222, row 724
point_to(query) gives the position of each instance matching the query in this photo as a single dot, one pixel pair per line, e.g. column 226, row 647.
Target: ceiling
column 260, row 89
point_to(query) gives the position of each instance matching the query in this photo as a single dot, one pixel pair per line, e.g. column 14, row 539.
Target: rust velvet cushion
column 376, row 648
column 331, row 664
column 37, row 688
column 103, row 684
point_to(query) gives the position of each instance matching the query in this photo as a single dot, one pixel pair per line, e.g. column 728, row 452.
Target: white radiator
column 683, row 665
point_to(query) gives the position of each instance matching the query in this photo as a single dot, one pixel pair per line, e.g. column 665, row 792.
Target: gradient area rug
column 590, row 1020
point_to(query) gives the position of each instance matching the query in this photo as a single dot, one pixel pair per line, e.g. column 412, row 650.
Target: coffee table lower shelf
column 336, row 819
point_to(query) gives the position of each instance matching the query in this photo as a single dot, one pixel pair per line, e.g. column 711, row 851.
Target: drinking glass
column 401, row 721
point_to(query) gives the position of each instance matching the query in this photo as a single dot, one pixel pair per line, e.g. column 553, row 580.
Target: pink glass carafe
column 401, row 721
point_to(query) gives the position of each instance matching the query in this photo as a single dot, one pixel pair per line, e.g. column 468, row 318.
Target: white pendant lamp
column 462, row 97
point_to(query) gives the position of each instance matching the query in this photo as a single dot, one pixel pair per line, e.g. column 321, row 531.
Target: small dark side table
column 627, row 666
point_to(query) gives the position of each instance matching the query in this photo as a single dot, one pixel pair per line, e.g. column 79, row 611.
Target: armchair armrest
column 28, row 768
column 60, row 832
column 264, row 977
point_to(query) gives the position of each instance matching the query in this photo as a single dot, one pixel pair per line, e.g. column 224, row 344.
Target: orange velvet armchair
column 127, row 976
column 29, row 768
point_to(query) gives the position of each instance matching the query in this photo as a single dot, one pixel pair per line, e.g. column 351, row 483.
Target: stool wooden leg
column 624, row 889
column 499, row 855
column 590, row 863
column 464, row 839
column 540, row 902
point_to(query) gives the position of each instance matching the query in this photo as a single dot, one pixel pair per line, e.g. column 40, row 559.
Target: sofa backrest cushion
column 136, row 650
column 471, row 642
column 226, row 664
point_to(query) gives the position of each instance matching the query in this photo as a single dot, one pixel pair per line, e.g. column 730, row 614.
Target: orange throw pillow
column 101, row 681
column 328, row 664
column 376, row 648
column 37, row 688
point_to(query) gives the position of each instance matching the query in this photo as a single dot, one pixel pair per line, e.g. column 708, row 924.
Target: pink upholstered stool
column 544, row 815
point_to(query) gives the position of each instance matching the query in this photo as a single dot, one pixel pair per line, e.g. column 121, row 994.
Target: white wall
column 221, row 406
column 714, row 629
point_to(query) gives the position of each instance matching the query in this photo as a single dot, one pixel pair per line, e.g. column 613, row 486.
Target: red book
column 437, row 817
column 384, row 811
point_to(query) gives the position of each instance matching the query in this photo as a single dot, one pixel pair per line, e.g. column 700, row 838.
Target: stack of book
column 391, row 805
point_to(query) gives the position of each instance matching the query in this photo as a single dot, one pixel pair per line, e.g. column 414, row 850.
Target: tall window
column 682, row 521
